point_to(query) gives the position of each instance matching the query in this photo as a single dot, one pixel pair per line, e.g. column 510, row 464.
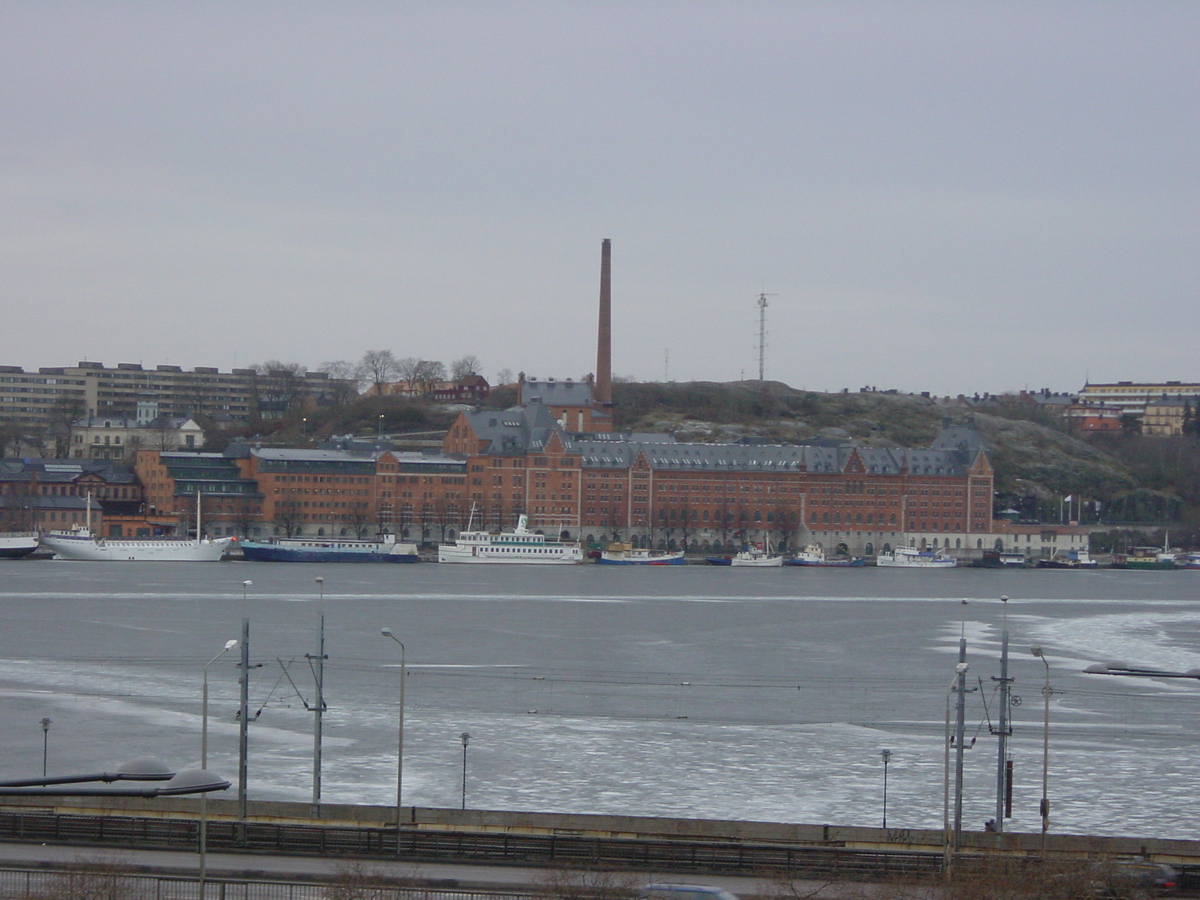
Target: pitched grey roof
column 513, row 431
column 556, row 393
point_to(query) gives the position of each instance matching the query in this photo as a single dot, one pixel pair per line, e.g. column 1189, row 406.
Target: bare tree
column 408, row 370
column 465, row 367
column 587, row 884
column 505, row 376
column 344, row 378
column 287, row 516
column 379, row 367
column 279, row 388
column 429, row 374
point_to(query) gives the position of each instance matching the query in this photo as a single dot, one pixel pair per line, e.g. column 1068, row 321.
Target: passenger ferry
column 16, row 544
column 330, row 550
column 518, row 546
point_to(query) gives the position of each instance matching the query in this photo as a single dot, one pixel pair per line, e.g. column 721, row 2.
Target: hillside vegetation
column 1134, row 479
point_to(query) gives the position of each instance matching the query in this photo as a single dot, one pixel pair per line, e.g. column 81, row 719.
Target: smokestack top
column 602, row 393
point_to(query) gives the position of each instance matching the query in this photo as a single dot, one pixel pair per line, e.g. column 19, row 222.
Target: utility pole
column 1003, row 728
column 318, row 664
column 959, row 737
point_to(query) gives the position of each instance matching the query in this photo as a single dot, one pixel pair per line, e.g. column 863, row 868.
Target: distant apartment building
column 1167, row 416
column 119, row 437
column 1132, row 396
column 472, row 389
column 57, row 395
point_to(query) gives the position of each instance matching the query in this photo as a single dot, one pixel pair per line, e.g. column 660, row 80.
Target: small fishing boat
column 756, row 555
column 814, row 555
column 625, row 554
column 912, row 558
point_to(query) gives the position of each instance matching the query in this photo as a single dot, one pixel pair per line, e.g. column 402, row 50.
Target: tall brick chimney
column 602, row 391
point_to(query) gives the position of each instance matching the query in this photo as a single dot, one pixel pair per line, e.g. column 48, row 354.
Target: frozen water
column 685, row 691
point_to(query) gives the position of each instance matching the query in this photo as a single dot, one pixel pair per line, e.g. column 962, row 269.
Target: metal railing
column 688, row 855
column 77, row 881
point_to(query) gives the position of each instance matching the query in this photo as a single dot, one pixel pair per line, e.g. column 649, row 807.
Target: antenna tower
column 762, row 335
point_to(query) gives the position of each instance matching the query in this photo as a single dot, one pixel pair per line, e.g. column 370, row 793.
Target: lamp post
column 203, row 836
column 387, row 632
column 1045, row 805
column 244, row 717
column 887, row 757
column 465, row 738
column 380, row 431
column 45, row 743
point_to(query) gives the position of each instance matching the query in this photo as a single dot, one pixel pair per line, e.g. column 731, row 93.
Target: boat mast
column 197, row 515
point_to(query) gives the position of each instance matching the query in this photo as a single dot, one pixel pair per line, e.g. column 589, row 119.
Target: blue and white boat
column 625, row 554
column 330, row 550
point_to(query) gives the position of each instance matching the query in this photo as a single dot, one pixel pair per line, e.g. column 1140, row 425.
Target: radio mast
column 762, row 334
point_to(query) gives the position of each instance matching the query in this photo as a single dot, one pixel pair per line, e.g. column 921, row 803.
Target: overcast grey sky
column 953, row 197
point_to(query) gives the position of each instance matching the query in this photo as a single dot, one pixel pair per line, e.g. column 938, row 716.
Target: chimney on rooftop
column 602, row 392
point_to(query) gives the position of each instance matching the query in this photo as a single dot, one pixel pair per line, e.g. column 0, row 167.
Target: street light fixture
column 387, row 633
column 45, row 743
column 191, row 781
column 1045, row 805
column 203, row 836
column 465, row 738
column 887, row 757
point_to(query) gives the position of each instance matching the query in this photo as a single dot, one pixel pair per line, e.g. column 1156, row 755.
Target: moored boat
column 1191, row 561
column 518, row 546
column 81, row 544
column 330, row 550
column 1003, row 559
column 1145, row 558
column 814, row 555
column 756, row 555
column 625, row 554
column 15, row 544
column 912, row 558
column 1068, row 559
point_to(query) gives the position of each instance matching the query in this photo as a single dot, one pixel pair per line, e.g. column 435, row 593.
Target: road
column 300, row 868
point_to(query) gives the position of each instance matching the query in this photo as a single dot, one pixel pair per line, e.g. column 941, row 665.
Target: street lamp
column 45, row 743
column 203, row 837
column 387, row 632
column 887, row 757
column 465, row 738
column 381, row 425
column 1045, row 805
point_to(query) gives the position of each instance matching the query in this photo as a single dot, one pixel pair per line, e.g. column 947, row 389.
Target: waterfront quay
column 658, row 846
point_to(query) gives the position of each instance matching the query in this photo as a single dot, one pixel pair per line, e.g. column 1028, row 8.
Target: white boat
column 814, row 555
column 82, row 544
column 518, row 546
column 756, row 555
column 14, row 544
column 625, row 554
column 912, row 558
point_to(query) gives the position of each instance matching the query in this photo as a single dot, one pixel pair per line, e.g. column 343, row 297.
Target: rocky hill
column 1031, row 458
